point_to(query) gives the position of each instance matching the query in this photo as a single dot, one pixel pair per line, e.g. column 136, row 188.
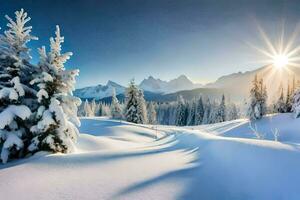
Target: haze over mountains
column 236, row 86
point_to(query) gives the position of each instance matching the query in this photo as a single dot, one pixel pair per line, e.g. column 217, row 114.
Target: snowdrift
column 119, row 160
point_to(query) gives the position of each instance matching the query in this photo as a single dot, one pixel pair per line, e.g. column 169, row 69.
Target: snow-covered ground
column 119, row 160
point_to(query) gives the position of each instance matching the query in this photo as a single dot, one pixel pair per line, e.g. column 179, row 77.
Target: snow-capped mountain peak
column 150, row 84
column 156, row 85
column 99, row 91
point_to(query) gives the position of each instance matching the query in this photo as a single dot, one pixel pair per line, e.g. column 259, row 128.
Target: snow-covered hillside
column 119, row 160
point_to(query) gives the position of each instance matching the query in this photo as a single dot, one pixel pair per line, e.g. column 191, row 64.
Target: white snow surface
column 120, row 160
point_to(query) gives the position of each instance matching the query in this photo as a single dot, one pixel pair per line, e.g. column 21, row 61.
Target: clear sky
column 118, row 40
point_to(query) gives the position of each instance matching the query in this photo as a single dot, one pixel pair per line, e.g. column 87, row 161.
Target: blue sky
column 119, row 40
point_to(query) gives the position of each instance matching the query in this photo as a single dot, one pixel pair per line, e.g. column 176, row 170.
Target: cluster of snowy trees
column 181, row 112
column 196, row 112
column 288, row 101
column 135, row 109
column 258, row 99
column 284, row 103
column 37, row 108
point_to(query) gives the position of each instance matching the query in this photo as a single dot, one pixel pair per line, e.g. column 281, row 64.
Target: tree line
column 181, row 112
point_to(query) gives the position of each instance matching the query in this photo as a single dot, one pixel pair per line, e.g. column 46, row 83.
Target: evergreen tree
column 289, row 99
column 199, row 112
column 115, row 109
column 258, row 100
column 87, row 109
column 142, row 108
column 93, row 107
column 280, row 104
column 221, row 111
column 17, row 96
column 232, row 112
column 296, row 104
column 56, row 119
column 207, row 112
column 132, row 103
column 181, row 112
column 263, row 98
column 192, row 113
column 152, row 113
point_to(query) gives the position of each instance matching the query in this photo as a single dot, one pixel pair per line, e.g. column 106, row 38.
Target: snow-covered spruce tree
column 263, row 97
column 181, row 112
column 221, row 111
column 115, row 108
column 93, row 107
column 17, row 96
column 105, row 109
column 192, row 113
column 56, row 119
column 199, row 112
column 232, row 112
column 258, row 100
column 207, row 112
column 213, row 113
column 296, row 104
column 289, row 99
column 87, row 111
column 280, row 104
column 151, row 113
column 134, row 110
column 142, row 108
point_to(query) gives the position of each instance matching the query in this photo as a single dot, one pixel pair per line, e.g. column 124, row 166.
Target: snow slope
column 119, row 160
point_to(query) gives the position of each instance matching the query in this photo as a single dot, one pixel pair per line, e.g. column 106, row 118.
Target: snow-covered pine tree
column 132, row 103
column 207, row 112
column 255, row 106
column 87, row 109
column 199, row 112
column 142, row 108
column 214, row 107
column 296, row 104
column 289, row 99
column 263, row 98
column 192, row 113
column 221, row 111
column 151, row 113
column 56, row 119
column 105, row 109
column 181, row 112
column 16, row 94
column 232, row 112
column 93, row 107
column 115, row 108
column 280, row 104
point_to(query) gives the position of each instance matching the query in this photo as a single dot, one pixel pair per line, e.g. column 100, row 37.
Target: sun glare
column 283, row 53
column 280, row 61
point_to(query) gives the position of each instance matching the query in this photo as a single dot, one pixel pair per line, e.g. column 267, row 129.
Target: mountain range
column 236, row 86
column 150, row 85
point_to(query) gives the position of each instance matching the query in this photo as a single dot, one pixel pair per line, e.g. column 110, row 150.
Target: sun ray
column 280, row 56
column 281, row 39
column 294, row 51
column 266, row 39
column 292, row 39
column 260, row 50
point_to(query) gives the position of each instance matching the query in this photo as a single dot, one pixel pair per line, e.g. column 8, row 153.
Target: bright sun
column 280, row 61
column 283, row 53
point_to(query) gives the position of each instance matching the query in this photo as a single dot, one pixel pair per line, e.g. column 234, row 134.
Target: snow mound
column 120, row 160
